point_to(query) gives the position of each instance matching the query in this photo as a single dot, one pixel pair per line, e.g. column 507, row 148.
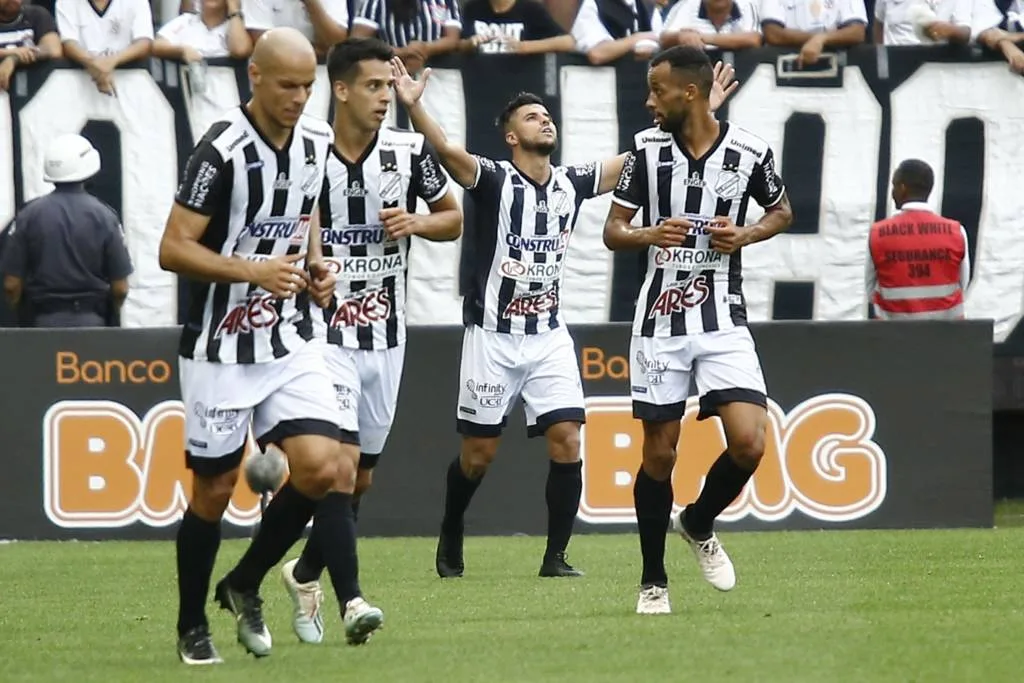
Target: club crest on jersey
column 391, row 186
column 257, row 312
column 559, row 203
column 681, row 296
column 362, row 309
column 312, row 178
column 729, row 186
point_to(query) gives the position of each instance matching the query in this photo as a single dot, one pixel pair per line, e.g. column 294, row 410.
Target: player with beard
column 515, row 343
column 692, row 177
column 367, row 216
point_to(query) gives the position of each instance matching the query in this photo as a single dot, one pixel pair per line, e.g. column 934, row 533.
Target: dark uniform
column 67, row 248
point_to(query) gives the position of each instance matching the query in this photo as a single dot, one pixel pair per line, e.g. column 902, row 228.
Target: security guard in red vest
column 918, row 265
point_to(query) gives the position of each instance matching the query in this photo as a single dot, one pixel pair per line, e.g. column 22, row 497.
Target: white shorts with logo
column 499, row 368
column 288, row 396
column 367, row 382
column 723, row 364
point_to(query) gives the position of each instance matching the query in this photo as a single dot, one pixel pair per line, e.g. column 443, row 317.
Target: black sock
column 197, row 544
column 564, row 487
column 311, row 562
column 335, row 530
column 458, row 493
column 725, row 480
column 283, row 521
column 653, row 502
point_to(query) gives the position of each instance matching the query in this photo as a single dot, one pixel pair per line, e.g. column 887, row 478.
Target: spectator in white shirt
column 101, row 35
column 659, row 14
column 217, row 31
column 813, row 25
column 323, row 22
column 711, row 24
column 922, row 22
column 606, row 30
column 986, row 20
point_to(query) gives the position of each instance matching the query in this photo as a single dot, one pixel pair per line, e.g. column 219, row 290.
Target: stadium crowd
column 104, row 34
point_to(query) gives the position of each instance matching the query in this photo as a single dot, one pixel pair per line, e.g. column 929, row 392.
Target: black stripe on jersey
column 278, row 207
column 357, row 216
column 389, row 162
column 304, row 325
column 709, row 309
column 737, row 311
column 664, row 182
column 647, row 329
column 563, row 226
column 327, row 222
column 214, row 237
column 222, row 292
column 540, row 227
column 508, row 285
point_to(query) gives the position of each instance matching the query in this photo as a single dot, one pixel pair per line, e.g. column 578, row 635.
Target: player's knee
column 211, row 495
column 477, row 455
column 315, row 471
column 659, row 449
column 564, row 442
column 747, row 447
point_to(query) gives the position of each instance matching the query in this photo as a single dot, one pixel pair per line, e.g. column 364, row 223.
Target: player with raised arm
column 368, row 215
column 243, row 231
column 692, row 178
column 515, row 344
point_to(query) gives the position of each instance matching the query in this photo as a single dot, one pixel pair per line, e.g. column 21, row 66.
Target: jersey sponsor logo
column 652, row 368
column 201, row 184
column 583, row 170
column 104, row 467
column 431, row 180
column 683, row 258
column 293, row 230
column 820, row 460
column 362, row 309
column 487, row 164
column 237, row 141
column 626, row 175
column 366, row 267
column 530, row 272
column 355, row 189
column 346, row 397
column 771, row 178
column 544, row 244
column 681, row 296
column 258, row 312
column 487, row 394
column 531, row 304
column 354, row 235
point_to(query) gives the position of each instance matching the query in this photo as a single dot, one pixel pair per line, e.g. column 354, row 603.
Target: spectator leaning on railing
column 218, row 30
column 417, row 29
column 710, row 24
column 323, row 22
column 520, row 26
column 27, row 34
column 813, row 25
column 606, row 30
column 101, row 35
column 911, row 22
column 986, row 20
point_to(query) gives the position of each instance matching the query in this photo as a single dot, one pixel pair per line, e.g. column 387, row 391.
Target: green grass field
column 827, row 607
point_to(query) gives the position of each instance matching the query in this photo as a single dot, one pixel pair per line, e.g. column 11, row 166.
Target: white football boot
column 714, row 563
column 307, row 621
column 361, row 620
column 653, row 600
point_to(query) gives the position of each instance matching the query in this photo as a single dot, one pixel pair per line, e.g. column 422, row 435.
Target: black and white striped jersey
column 260, row 202
column 400, row 24
column 512, row 263
column 692, row 289
column 397, row 168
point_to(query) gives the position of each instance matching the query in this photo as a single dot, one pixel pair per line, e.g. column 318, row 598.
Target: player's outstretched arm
column 457, row 161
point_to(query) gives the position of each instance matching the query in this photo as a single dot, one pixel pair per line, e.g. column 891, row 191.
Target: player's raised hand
column 407, row 88
column 399, row 223
column 671, row 232
column 726, row 237
column 723, row 85
column 280, row 276
column 322, row 283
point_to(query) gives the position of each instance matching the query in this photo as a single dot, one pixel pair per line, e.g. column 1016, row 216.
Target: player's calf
column 463, row 478
column 562, row 493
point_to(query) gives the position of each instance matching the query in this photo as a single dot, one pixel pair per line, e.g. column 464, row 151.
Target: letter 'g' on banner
column 104, row 467
column 820, row 459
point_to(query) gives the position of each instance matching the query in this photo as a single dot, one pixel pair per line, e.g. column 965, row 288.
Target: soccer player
column 692, row 177
column 243, row 231
column 367, row 215
column 516, row 344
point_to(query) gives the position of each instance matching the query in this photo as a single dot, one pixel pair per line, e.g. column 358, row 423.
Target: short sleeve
column 370, row 14
column 337, row 10
column 258, row 16
column 429, row 181
column 631, row 190
column 204, row 183
column 540, row 25
column 117, row 261
column 852, row 12
column 488, row 176
column 683, row 15
column 772, row 12
column 587, row 30
column 67, row 23
column 766, row 186
column 585, row 179
column 142, row 21
column 171, row 31
column 961, row 13
column 15, row 252
column 42, row 22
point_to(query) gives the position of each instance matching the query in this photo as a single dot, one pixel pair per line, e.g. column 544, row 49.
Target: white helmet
column 70, row 159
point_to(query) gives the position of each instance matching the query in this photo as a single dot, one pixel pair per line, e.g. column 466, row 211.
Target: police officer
column 918, row 265
column 66, row 263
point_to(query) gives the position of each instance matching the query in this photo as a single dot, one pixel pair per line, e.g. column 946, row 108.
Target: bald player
column 242, row 233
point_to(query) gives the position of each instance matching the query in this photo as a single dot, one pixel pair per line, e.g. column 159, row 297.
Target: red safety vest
column 917, row 256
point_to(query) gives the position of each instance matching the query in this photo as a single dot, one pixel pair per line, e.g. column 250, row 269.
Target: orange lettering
column 618, row 367
column 593, row 363
column 67, row 367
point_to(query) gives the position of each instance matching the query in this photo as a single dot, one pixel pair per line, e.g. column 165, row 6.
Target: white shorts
column 498, row 368
column 289, row 396
column 367, row 382
column 723, row 364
